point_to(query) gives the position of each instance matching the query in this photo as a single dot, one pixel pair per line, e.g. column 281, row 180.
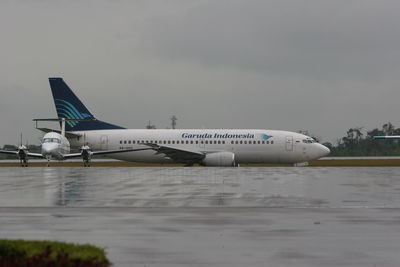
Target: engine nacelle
column 219, row 159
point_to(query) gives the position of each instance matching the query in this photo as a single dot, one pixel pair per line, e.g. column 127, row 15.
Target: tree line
column 356, row 143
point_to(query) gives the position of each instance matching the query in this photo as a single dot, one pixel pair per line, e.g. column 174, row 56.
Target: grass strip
column 22, row 252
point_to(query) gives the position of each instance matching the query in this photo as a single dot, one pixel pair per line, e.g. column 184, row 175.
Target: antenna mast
column 173, row 122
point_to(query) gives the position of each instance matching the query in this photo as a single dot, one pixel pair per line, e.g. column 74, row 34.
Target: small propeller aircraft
column 56, row 146
column 23, row 153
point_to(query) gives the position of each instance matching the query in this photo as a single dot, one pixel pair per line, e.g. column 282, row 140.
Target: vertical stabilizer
column 69, row 106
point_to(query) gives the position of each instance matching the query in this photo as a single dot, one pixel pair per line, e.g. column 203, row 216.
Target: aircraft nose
column 48, row 149
column 323, row 150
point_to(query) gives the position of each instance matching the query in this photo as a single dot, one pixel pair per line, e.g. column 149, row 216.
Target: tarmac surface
column 295, row 216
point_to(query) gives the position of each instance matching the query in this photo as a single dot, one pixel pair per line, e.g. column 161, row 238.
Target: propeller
column 86, row 153
column 22, row 153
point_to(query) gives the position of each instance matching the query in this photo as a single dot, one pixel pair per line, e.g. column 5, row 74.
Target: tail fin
column 69, row 106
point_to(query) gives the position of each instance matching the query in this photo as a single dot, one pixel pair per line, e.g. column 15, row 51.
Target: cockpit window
column 51, row 140
column 309, row 140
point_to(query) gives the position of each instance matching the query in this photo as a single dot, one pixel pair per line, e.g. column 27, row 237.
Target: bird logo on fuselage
column 265, row 136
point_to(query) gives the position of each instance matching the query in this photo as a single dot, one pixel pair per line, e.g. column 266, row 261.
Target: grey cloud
column 324, row 66
column 326, row 39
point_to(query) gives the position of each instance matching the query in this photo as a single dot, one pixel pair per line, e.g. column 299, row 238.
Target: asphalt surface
column 211, row 216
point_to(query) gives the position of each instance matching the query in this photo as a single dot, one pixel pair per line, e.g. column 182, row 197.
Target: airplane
column 56, row 146
column 206, row 147
column 387, row 137
column 22, row 153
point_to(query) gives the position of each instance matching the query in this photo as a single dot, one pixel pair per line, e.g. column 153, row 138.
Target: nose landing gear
column 48, row 157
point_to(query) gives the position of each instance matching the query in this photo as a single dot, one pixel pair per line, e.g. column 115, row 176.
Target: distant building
column 150, row 126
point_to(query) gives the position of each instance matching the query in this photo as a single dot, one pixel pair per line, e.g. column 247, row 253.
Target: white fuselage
column 248, row 146
column 55, row 146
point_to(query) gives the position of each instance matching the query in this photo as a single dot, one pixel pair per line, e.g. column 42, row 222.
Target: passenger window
column 129, row 141
column 120, row 141
column 197, row 142
column 241, row 142
column 169, row 142
column 258, row 142
column 125, row 142
column 263, row 142
column 272, row 142
column 245, row 142
column 201, row 142
column 206, row 142
column 219, row 142
column 187, row 141
column 133, row 141
column 237, row 142
column 173, row 142
column 223, row 142
column 191, row 142
column 232, row 142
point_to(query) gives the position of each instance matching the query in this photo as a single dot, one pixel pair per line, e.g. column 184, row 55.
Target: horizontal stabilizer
column 67, row 134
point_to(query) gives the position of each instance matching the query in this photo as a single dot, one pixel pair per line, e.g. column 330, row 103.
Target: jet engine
column 219, row 159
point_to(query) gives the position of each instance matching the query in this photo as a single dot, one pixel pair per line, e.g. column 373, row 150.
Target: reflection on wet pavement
column 211, row 216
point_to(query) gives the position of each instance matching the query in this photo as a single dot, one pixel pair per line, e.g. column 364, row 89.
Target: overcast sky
column 322, row 66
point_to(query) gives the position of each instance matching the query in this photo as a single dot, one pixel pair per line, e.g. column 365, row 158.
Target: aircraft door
column 104, row 142
column 202, row 143
column 289, row 143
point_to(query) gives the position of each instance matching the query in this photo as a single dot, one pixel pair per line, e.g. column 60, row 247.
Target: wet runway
column 211, row 216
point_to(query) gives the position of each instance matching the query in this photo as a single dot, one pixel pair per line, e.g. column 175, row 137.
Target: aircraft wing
column 387, row 137
column 35, row 155
column 178, row 155
column 95, row 153
column 9, row 152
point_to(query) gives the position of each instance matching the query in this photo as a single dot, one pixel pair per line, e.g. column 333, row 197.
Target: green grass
column 25, row 249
